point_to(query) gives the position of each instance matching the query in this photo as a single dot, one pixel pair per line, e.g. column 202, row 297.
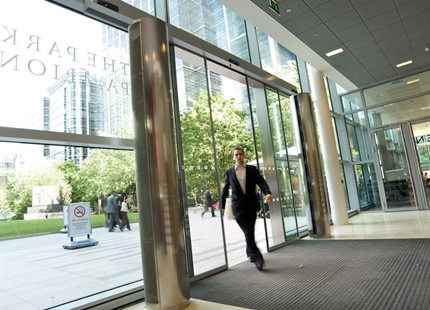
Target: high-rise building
column 75, row 105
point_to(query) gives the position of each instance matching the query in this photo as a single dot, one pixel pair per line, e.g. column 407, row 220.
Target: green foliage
column 230, row 130
column 20, row 186
column 70, row 171
column 104, row 171
column 20, row 228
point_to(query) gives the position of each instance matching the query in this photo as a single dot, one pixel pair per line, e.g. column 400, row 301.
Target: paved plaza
column 38, row 273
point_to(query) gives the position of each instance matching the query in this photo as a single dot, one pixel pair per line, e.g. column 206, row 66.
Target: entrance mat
column 328, row 274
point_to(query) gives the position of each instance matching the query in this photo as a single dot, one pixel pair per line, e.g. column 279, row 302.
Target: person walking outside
column 124, row 215
column 112, row 210
column 209, row 203
column 104, row 209
column 242, row 179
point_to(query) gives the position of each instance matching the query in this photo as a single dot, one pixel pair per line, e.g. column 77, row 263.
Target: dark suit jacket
column 243, row 204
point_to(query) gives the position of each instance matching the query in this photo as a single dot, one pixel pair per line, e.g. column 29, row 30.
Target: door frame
column 411, row 161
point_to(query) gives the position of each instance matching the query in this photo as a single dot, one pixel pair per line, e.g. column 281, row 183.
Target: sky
column 24, row 81
column 22, row 91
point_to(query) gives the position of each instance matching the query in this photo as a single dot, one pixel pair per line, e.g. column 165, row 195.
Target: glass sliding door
column 233, row 126
column 421, row 132
column 296, row 167
column 288, row 208
column 204, row 237
column 395, row 174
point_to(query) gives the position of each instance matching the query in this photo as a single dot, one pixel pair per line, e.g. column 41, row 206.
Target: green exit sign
column 397, row 81
column 274, row 5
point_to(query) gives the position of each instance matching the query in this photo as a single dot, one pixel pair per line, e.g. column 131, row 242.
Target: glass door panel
column 394, row 169
column 421, row 134
column 204, row 238
column 257, row 94
column 282, row 166
column 232, row 125
column 295, row 159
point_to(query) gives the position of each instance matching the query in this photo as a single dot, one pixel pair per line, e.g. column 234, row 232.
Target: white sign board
column 79, row 219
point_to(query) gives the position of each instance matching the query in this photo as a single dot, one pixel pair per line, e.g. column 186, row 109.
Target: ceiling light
column 339, row 50
column 425, row 108
column 413, row 81
column 288, row 10
column 404, row 63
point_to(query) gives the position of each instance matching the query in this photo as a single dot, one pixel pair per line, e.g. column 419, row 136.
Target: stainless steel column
column 318, row 218
column 161, row 232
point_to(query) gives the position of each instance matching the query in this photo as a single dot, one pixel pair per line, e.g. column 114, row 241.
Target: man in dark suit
column 112, row 210
column 243, row 179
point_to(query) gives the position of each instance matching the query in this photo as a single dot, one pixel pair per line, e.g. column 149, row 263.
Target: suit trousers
column 113, row 218
column 247, row 224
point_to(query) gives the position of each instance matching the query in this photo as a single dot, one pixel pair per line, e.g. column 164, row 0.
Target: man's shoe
column 259, row 263
column 111, row 230
column 214, row 215
column 252, row 260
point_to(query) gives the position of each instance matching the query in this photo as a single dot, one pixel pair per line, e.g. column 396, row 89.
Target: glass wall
column 73, row 83
column 36, row 190
column 212, row 22
column 277, row 60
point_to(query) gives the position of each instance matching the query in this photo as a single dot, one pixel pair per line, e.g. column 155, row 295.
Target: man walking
column 243, row 179
column 209, row 203
column 112, row 210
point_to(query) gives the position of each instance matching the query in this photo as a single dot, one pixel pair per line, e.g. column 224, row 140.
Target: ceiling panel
column 326, row 45
column 297, row 8
column 401, row 38
column 374, row 8
column 413, row 8
column 360, row 42
column 417, row 20
column 315, row 34
column 367, row 50
column 377, row 65
column 315, row 3
column 332, row 9
column 358, row 3
column 344, row 21
column 383, row 20
column 375, row 34
column 389, row 31
column 303, row 22
column 352, row 32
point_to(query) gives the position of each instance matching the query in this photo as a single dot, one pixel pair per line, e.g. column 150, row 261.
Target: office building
column 236, row 72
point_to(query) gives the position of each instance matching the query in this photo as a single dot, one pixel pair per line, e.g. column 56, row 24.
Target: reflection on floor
column 367, row 225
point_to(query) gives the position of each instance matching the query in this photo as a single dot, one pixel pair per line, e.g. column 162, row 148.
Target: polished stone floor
column 367, row 225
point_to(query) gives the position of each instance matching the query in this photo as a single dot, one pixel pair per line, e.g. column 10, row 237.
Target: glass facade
column 277, row 60
column 212, row 22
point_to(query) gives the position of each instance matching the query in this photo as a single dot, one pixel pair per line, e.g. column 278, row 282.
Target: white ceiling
column 374, row 34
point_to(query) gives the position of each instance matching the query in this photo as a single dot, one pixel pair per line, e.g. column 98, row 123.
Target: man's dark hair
column 239, row 148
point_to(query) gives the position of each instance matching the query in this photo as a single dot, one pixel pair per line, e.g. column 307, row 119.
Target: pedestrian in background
column 112, row 210
column 209, row 203
column 124, row 215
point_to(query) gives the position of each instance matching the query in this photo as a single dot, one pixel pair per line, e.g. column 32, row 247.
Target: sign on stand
column 79, row 224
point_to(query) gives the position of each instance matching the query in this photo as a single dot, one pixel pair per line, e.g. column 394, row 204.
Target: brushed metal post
column 165, row 276
column 318, row 218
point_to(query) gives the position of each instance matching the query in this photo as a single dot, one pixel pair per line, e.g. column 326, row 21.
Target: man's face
column 239, row 157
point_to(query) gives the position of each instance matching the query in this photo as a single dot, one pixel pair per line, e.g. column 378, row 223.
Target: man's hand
column 269, row 197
